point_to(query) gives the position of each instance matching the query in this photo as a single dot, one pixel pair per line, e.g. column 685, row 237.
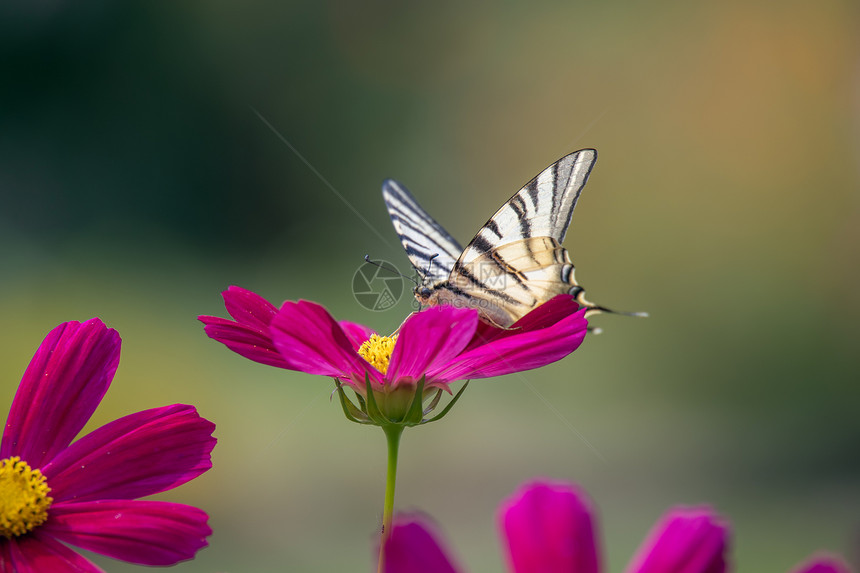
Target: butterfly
column 515, row 262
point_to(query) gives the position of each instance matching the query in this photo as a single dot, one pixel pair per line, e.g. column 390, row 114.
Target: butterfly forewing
column 421, row 236
column 543, row 208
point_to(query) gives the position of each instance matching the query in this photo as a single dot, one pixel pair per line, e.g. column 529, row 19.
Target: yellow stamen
column 24, row 500
column 377, row 350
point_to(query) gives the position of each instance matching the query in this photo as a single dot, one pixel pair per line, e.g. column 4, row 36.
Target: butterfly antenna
column 383, row 267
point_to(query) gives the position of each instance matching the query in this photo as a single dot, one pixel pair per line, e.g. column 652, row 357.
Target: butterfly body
column 515, row 262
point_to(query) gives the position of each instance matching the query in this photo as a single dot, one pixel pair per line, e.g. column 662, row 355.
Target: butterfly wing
column 543, row 208
column 422, row 237
column 508, row 282
column 516, row 261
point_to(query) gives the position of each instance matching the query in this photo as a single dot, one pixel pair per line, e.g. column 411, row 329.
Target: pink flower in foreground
column 53, row 491
column 439, row 344
column 549, row 527
column 443, row 343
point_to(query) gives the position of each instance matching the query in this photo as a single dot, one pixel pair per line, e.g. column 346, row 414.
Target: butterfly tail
column 597, row 309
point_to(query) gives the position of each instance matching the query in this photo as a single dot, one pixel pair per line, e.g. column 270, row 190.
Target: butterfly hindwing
column 509, row 281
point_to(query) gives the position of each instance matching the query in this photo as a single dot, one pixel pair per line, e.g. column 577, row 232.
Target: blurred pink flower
column 823, row 564
column 443, row 343
column 84, row 493
column 549, row 527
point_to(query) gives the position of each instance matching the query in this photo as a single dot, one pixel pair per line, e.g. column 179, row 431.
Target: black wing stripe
column 465, row 273
column 481, row 243
column 556, row 197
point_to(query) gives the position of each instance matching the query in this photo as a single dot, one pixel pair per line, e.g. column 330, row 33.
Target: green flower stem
column 392, row 436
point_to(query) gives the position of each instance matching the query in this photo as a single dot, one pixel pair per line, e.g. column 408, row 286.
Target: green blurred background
column 137, row 182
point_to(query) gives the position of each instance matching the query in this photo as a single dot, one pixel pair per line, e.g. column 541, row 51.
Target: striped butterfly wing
column 508, row 282
column 516, row 261
column 543, row 208
column 422, row 237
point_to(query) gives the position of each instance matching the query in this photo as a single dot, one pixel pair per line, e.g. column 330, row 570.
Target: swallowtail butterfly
column 515, row 262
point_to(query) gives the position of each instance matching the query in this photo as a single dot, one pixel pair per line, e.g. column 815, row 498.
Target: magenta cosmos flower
column 549, row 527
column 438, row 345
column 823, row 564
column 84, row 493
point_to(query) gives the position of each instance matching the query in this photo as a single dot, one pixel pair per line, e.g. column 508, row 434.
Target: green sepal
column 373, row 411
column 448, row 407
column 434, row 402
column 362, row 405
column 415, row 413
column 368, row 412
column 352, row 413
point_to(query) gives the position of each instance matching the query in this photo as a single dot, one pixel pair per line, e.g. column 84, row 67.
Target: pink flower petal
column 249, row 308
column 518, row 351
column 137, row 455
column 38, row 553
column 823, row 564
column 243, row 340
column 144, row 532
column 544, row 316
column 431, row 338
column 549, row 528
column 685, row 540
column 63, row 385
column 412, row 548
column 357, row 333
column 558, row 307
column 248, row 335
column 311, row 341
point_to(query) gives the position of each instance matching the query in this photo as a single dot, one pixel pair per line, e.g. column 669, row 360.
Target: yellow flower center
column 377, row 350
column 24, row 500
